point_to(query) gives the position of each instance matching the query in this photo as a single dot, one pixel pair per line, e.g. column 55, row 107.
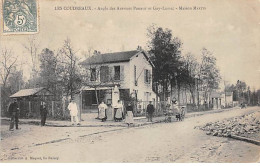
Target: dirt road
column 164, row 142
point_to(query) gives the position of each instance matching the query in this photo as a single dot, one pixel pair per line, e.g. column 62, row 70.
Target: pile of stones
column 244, row 125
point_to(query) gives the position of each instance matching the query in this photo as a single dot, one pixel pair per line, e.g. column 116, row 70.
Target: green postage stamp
column 20, row 16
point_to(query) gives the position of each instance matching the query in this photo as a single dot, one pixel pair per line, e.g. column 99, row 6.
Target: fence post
column 52, row 108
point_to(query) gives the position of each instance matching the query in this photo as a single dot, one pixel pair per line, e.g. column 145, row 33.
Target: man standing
column 43, row 112
column 14, row 113
column 150, row 111
column 73, row 112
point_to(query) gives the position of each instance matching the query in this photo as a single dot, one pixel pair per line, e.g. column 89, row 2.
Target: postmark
column 20, row 17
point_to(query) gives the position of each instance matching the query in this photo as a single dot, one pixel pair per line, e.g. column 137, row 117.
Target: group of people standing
column 118, row 112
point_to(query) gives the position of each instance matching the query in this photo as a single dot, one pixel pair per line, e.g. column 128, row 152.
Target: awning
column 98, row 88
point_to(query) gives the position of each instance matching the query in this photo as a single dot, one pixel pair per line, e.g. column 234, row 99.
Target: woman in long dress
column 129, row 115
column 102, row 111
column 118, row 111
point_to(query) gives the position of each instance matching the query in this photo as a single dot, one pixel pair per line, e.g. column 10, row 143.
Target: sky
column 227, row 28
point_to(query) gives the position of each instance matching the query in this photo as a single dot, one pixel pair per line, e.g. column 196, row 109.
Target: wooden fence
column 56, row 109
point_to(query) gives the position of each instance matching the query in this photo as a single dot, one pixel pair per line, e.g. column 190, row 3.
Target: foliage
column 165, row 53
column 49, row 72
column 70, row 74
column 208, row 73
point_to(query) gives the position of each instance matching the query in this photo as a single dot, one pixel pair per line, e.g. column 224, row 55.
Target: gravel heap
column 240, row 126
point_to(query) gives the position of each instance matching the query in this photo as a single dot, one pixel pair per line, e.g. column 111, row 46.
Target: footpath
column 89, row 120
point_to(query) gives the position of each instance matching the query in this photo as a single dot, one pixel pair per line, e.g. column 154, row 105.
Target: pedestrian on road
column 150, row 111
column 14, row 113
column 43, row 112
column 73, row 112
column 102, row 111
column 118, row 111
column 129, row 115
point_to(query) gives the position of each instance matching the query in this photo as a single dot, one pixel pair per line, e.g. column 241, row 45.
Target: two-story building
column 129, row 72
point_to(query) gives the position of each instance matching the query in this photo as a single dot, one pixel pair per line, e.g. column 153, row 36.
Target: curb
column 245, row 139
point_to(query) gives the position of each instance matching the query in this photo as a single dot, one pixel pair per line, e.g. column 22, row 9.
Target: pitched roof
column 110, row 57
column 114, row 57
column 26, row 92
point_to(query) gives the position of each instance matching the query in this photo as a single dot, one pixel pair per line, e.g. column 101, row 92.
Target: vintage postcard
column 129, row 81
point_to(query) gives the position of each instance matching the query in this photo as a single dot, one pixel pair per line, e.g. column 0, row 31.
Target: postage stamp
column 20, row 16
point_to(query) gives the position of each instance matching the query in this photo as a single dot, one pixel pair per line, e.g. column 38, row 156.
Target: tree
column 232, row 88
column 50, row 71
column 241, row 88
column 11, row 79
column 165, row 54
column 208, row 74
column 16, row 82
column 32, row 46
column 191, row 65
column 70, row 74
column 8, row 64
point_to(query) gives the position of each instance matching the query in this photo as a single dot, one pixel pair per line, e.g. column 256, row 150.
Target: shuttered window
column 93, row 75
column 135, row 75
column 147, row 76
column 104, row 73
column 117, row 72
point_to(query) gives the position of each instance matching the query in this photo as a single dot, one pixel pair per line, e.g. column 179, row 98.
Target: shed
column 29, row 100
column 35, row 93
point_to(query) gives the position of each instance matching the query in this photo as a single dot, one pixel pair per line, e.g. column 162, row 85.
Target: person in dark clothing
column 14, row 113
column 129, row 119
column 150, row 111
column 43, row 112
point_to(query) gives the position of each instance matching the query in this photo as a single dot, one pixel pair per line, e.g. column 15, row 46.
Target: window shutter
column 121, row 72
column 148, row 72
column 150, row 76
column 145, row 76
column 111, row 73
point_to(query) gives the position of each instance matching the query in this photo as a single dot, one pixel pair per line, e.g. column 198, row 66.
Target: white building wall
column 144, row 90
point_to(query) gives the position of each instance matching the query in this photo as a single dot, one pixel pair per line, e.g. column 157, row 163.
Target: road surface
column 164, row 142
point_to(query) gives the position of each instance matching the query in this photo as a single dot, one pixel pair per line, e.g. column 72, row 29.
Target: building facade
column 130, row 72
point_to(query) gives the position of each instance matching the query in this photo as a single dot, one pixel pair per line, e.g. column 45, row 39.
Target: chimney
column 96, row 52
column 139, row 48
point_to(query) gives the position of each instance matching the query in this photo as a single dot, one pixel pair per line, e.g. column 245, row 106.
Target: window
column 117, row 73
column 104, row 73
column 135, row 75
column 147, row 76
column 93, row 74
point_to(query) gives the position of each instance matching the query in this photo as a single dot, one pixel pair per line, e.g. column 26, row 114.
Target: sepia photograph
column 130, row 81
